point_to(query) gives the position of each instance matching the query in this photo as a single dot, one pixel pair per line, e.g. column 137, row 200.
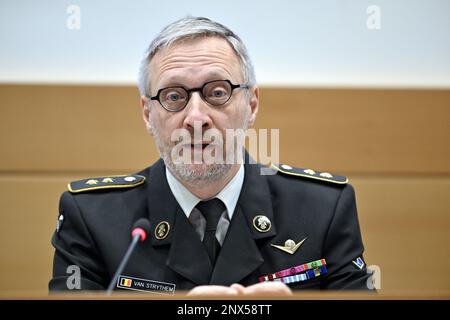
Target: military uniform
column 281, row 221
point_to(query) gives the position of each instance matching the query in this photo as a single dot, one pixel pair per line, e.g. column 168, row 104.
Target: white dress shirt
column 187, row 201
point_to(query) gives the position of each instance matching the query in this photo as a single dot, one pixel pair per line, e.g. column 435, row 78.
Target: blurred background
column 359, row 88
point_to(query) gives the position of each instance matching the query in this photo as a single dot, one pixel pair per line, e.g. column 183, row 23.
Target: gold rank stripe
column 309, row 176
column 120, row 186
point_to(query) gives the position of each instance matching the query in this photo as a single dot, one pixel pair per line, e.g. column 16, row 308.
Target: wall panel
column 62, row 128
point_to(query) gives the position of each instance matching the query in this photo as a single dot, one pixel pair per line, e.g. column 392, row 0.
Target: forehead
column 192, row 62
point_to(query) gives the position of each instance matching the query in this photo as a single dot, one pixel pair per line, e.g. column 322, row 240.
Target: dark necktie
column 211, row 210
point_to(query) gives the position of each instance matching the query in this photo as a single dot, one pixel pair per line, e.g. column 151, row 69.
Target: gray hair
column 192, row 28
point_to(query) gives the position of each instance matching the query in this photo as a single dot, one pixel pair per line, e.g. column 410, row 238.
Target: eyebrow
column 175, row 81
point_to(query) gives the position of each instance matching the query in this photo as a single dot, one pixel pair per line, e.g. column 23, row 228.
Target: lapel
column 187, row 256
column 240, row 254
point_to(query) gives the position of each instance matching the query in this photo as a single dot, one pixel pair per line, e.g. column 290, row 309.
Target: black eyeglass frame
column 200, row 91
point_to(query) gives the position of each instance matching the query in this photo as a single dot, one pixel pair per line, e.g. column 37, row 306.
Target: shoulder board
column 110, row 182
column 311, row 174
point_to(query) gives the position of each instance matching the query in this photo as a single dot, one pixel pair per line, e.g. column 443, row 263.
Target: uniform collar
column 187, row 256
column 256, row 199
column 187, row 201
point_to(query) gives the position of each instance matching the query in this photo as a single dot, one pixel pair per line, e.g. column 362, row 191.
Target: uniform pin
column 289, row 246
column 162, row 230
column 108, row 180
column 91, row 182
column 359, row 262
column 309, row 171
column 262, row 223
column 129, row 179
column 59, row 223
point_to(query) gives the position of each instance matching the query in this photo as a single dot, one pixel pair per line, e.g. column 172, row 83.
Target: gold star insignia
column 326, row 175
column 108, row 180
column 289, row 246
column 309, row 171
column 92, row 182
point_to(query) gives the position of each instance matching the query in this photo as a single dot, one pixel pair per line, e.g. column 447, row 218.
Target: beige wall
column 393, row 144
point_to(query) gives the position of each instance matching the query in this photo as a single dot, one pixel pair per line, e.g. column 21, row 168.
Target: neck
column 207, row 191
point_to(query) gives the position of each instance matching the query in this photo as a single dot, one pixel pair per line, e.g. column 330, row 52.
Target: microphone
column 141, row 229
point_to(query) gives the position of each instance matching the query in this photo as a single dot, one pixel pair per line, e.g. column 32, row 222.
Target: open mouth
column 198, row 146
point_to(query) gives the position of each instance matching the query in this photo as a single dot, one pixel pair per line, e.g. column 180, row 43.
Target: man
column 217, row 227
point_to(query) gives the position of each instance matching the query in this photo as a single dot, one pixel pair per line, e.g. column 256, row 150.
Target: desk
column 299, row 295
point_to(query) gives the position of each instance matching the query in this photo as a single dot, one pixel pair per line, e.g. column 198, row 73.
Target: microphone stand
column 123, row 263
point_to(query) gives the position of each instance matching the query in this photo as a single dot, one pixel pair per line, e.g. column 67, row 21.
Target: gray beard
column 192, row 174
column 198, row 174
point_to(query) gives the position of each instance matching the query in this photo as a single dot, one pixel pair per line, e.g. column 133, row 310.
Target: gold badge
column 289, row 246
column 108, row 180
column 92, row 182
column 262, row 223
column 162, row 230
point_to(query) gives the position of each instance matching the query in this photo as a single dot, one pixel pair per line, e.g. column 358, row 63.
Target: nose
column 197, row 111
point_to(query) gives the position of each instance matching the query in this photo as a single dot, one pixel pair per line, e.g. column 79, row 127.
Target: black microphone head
column 143, row 224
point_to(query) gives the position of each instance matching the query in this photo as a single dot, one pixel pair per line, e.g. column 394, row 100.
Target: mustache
column 189, row 140
column 200, row 144
column 199, row 136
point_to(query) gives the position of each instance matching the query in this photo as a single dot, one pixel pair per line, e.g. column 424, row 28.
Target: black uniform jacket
column 95, row 234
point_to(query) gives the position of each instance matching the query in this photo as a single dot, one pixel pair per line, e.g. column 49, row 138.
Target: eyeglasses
column 216, row 93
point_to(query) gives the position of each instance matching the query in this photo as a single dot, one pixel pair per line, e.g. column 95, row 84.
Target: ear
column 146, row 114
column 254, row 105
